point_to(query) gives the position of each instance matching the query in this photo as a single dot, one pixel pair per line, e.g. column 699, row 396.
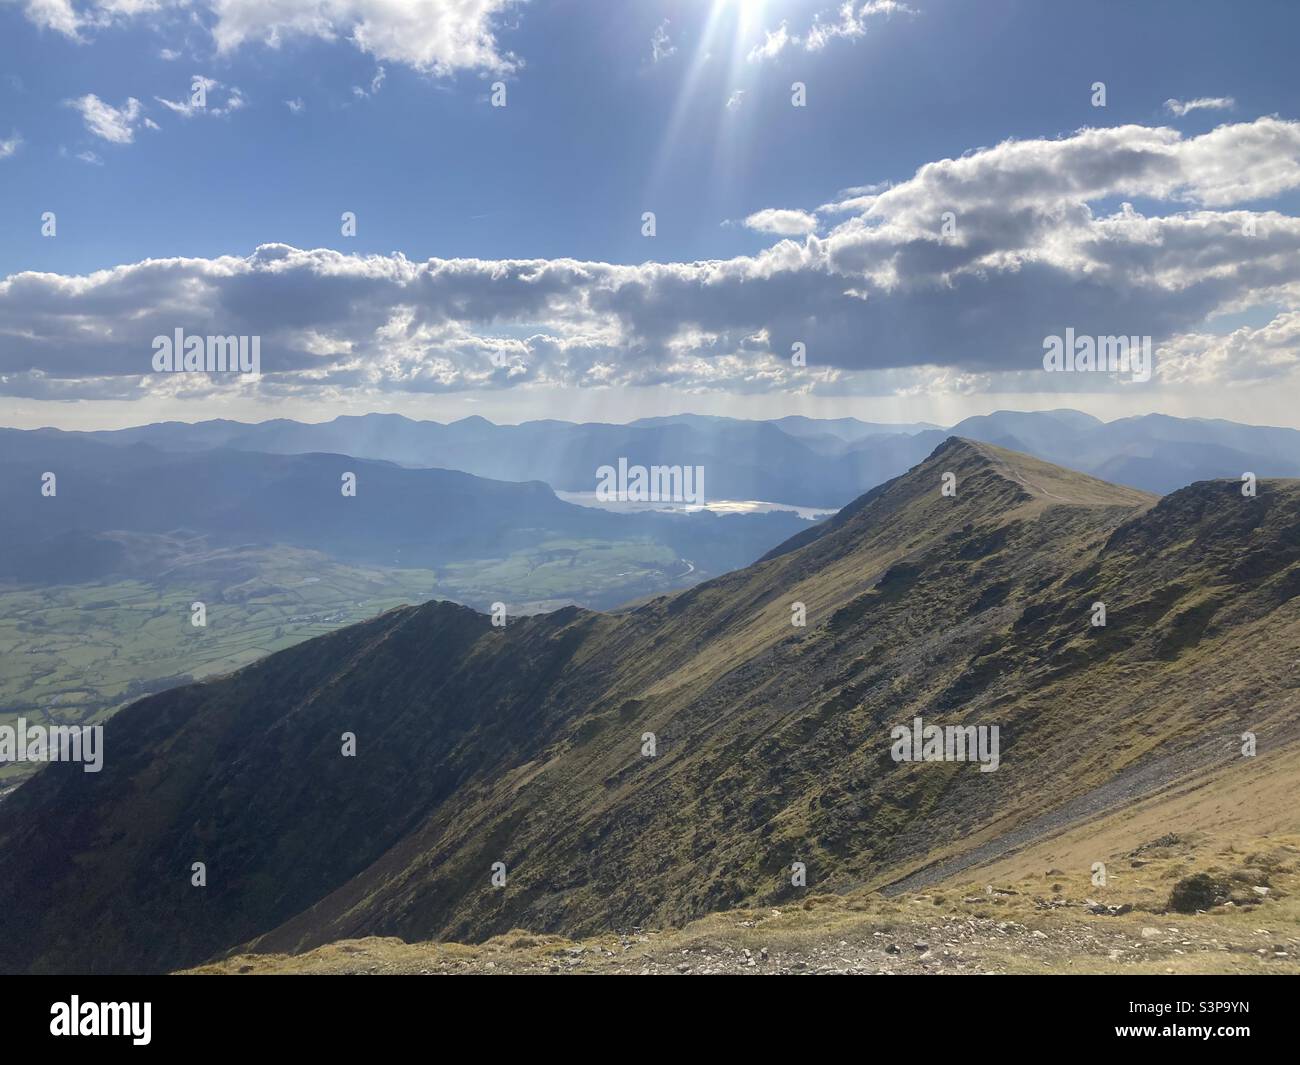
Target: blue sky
column 613, row 109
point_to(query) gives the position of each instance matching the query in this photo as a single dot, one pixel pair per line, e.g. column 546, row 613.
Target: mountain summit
column 679, row 757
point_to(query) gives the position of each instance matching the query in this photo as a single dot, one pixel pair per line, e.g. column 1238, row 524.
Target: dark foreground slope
column 523, row 745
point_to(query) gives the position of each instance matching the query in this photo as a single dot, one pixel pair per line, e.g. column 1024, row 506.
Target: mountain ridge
column 791, row 460
column 772, row 739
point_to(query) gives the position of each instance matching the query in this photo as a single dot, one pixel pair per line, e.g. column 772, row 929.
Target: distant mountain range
column 794, row 460
column 407, row 516
column 646, row 767
column 433, row 494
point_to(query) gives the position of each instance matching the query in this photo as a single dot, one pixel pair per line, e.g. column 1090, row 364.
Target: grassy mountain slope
column 1033, row 911
column 523, row 745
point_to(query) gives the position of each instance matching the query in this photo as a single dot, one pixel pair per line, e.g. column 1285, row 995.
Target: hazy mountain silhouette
column 420, row 516
column 793, row 460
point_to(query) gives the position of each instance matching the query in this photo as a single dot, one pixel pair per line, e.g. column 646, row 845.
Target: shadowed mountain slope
column 523, row 745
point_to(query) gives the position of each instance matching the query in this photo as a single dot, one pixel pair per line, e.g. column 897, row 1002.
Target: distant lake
column 717, row 506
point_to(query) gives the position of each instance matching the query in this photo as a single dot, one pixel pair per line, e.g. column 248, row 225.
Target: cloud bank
column 437, row 37
column 949, row 280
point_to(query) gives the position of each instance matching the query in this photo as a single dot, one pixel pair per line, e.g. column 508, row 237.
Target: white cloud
column 434, row 36
column 1244, row 356
column 376, row 83
column 774, row 43
column 9, row 147
column 295, row 106
column 1205, row 103
column 885, row 299
column 72, row 19
column 114, row 124
column 210, row 105
column 847, row 22
column 784, row 223
column 661, row 47
column 735, row 99
column 57, row 15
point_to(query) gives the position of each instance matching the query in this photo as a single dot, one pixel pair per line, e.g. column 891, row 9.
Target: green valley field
column 73, row 654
